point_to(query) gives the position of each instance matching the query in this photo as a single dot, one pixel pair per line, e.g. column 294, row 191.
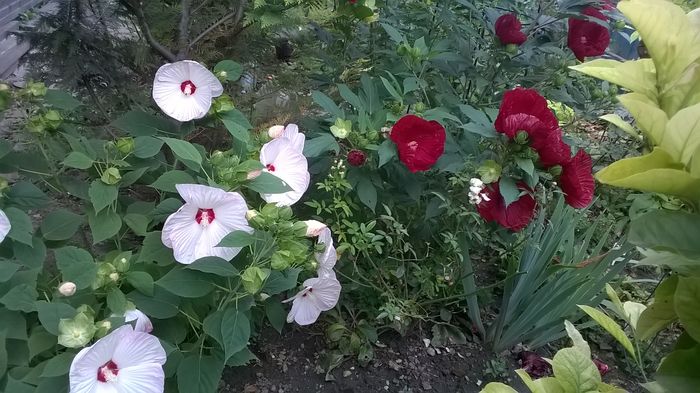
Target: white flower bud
column 253, row 174
column 475, row 190
column 114, row 276
column 314, row 228
column 67, row 288
column 476, row 182
column 275, row 132
column 250, row 214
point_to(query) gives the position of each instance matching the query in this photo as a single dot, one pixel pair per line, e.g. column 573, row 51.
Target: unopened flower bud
column 111, row 176
column 125, row 145
column 521, row 137
column 356, row 157
column 263, row 296
column 275, row 132
column 250, row 214
column 512, row 49
column 253, row 174
column 555, row 170
column 476, row 182
column 222, row 75
column 114, row 276
column 103, row 327
column 67, row 288
column 122, row 265
column 314, row 228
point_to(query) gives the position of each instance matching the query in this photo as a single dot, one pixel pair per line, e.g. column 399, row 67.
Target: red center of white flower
column 204, row 217
column 270, row 167
column 413, row 145
column 188, row 88
column 108, row 372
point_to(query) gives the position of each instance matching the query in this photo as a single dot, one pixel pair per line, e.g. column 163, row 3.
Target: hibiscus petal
column 209, row 238
column 328, row 258
column 4, row 225
column 527, row 101
column 576, row 180
column 588, row 38
column 420, row 142
column 181, row 233
column 231, row 211
column 508, row 30
column 144, row 378
column 105, row 388
column 325, row 293
column 297, row 139
column 83, row 369
column 143, row 323
column 304, row 311
column 138, row 348
column 201, row 76
column 203, row 197
column 290, row 166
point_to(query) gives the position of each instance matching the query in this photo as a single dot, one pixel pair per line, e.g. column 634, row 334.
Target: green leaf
column 165, row 208
column 237, row 125
column 233, row 70
column 186, row 283
column 682, row 137
column 137, row 123
column 679, row 370
column 650, row 119
column 78, row 160
column 153, row 250
column 653, row 172
column 387, row 151
column 327, row 104
column 393, row 33
column 509, row 190
column 276, row 314
column 61, row 225
column 161, row 305
column 526, row 165
column 610, row 326
column 214, row 265
column 197, row 374
column 316, row 146
column 21, row 229
column 577, row 339
column 7, row 270
column 367, row 193
column 661, row 312
column 76, row 265
column 26, row 195
column 104, row 225
column 147, row 146
column 3, row 353
column 102, row 195
column 185, row 151
column 40, row 341
column 637, row 75
column 391, row 89
column 498, row 387
column 30, row 256
column 142, row 281
column 116, row 301
column 235, row 331
column 475, row 115
column 686, row 300
column 20, row 298
column 574, row 371
column 60, row 99
column 241, row 358
column 237, row 239
column 665, row 230
column 58, row 365
column 618, row 122
column 168, row 180
column 541, row 385
column 267, row 183
column 51, row 313
column 350, row 97
column 137, row 223
column 278, row 282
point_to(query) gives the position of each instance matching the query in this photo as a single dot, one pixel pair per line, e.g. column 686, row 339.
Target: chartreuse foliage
column 664, row 99
column 574, row 372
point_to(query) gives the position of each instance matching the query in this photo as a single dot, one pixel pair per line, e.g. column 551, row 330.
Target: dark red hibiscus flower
column 527, row 101
column 356, row 157
column 588, row 38
column 514, row 217
column 508, row 30
column 420, row 142
column 576, row 180
column 537, row 120
column 534, row 364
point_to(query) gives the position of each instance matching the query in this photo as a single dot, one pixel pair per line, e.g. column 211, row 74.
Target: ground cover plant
column 375, row 168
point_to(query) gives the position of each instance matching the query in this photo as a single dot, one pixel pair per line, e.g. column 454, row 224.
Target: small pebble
column 431, row 351
column 347, row 373
column 427, row 386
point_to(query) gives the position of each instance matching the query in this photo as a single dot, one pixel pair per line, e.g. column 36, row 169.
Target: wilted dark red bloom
column 602, row 367
column 508, row 30
column 356, row 157
column 534, row 364
column 527, row 101
column 577, row 180
column 588, row 38
column 514, row 217
column 420, row 142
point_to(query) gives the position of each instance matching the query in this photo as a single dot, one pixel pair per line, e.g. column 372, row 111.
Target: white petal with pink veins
column 4, row 225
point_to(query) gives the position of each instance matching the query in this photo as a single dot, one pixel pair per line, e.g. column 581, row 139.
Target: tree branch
column 199, row 7
column 184, row 36
column 157, row 46
column 237, row 15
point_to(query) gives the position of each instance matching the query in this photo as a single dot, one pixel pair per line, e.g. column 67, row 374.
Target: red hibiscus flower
column 588, row 38
column 534, row 364
column 514, row 217
column 420, row 142
column 356, row 157
column 576, row 180
column 508, row 30
column 527, row 101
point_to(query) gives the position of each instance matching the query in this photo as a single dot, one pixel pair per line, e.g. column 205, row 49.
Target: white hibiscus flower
column 208, row 215
column 283, row 158
column 142, row 322
column 4, row 225
column 184, row 90
column 326, row 259
column 124, row 361
column 318, row 295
